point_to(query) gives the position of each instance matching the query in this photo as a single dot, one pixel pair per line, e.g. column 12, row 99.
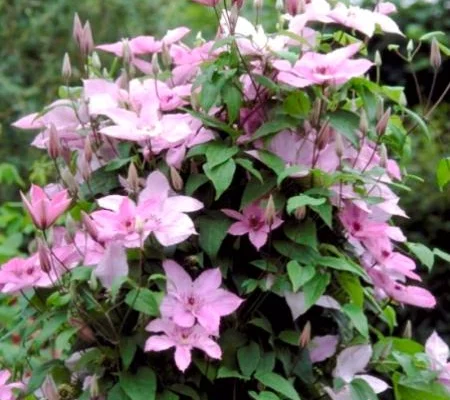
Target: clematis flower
column 252, row 222
column 201, row 300
column 112, row 265
column 334, row 68
column 183, row 339
column 322, row 347
column 45, row 210
column 350, row 362
column 438, row 353
column 296, row 303
column 7, row 389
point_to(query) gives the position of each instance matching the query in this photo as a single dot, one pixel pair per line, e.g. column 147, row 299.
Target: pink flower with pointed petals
column 45, row 210
column 438, row 353
column 183, row 339
column 113, row 265
column 252, row 222
column 7, row 389
column 334, row 68
column 201, row 300
column 322, row 347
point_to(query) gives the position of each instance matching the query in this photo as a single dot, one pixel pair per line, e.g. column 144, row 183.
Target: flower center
column 356, row 226
column 255, row 222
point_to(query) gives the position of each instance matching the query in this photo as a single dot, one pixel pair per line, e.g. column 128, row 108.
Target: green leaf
column 443, row 173
column 39, row 373
column 297, row 104
column 267, row 363
column 420, row 391
column 212, row 122
column 248, row 358
column 143, row 300
column 208, row 95
column 127, row 347
column 141, row 386
column 342, row 264
column 325, row 212
column 185, row 390
column 299, row 275
column 352, row 286
column 302, row 233
column 419, row 121
column 302, row 201
column 224, row 372
column 221, row 176
column 101, row 181
column 266, row 82
column 248, row 165
column 274, row 162
column 263, row 396
column 212, row 231
column 193, row 182
column 302, row 254
column 361, row 390
column 442, row 254
column 117, row 393
column 233, row 99
column 219, row 152
column 272, row 127
column 423, row 253
column 346, row 123
column 117, row 163
column 278, row 384
column 255, row 190
column 315, row 288
column 358, row 318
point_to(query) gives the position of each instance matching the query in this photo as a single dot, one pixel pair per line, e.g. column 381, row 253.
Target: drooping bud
column 156, row 69
column 305, row 336
column 300, row 213
column 44, row 258
column 378, row 61
column 66, row 67
column 383, row 122
column 88, row 41
column 363, row 123
column 133, row 178
column 175, row 178
column 53, row 143
column 407, row 332
column 339, row 145
column 270, row 212
column 77, row 30
column 89, row 225
column 435, row 55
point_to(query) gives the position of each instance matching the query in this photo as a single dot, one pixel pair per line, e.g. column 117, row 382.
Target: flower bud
column 175, row 177
column 44, row 258
column 156, row 69
column 77, row 30
column 71, row 228
column 258, row 4
column 87, row 44
column 84, row 168
column 233, row 18
column 378, row 61
column 363, row 122
column 127, row 55
column 88, row 153
column 316, row 112
column 133, row 178
column 94, row 389
column 69, row 180
column 95, row 61
column 53, row 143
column 380, row 109
column 383, row 156
column 292, row 7
column 83, row 330
column 89, row 225
column 300, row 213
column 279, row 5
column 239, row 3
column 165, row 56
column 407, row 332
column 66, row 67
column 435, row 55
column 339, row 145
column 49, row 390
column 270, row 212
column 383, row 122
column 305, row 336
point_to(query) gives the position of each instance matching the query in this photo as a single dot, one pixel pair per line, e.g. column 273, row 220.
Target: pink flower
column 112, row 265
column 334, row 68
column 252, row 222
column 200, row 300
column 6, row 389
column 438, row 353
column 322, row 347
column 183, row 339
column 296, row 303
column 350, row 363
column 209, row 3
column 45, row 210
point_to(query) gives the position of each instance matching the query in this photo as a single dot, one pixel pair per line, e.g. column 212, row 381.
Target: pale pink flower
column 334, row 68
column 322, row 347
column 183, row 339
column 297, row 305
column 385, row 7
column 438, row 353
column 350, row 363
column 252, row 222
column 201, row 300
column 7, row 389
column 113, row 265
column 45, row 210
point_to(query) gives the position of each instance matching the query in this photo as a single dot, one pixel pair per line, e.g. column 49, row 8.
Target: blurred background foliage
column 35, row 34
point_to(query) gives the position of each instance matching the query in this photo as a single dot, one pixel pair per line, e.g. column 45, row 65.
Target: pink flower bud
column 270, row 212
column 88, row 153
column 133, row 178
column 435, row 55
column 44, row 257
column 300, row 213
column 210, row 3
column 305, row 336
column 293, row 7
column 339, row 145
column 156, row 69
column 383, row 122
column 53, row 143
column 77, row 31
column 66, row 67
column 363, row 123
column 175, row 177
column 90, row 226
column 239, row 3
column 87, row 44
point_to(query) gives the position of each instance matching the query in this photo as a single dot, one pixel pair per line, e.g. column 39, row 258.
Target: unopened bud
column 49, row 389
column 270, row 212
column 84, row 168
column 139, row 225
column 435, row 55
column 383, row 122
column 363, row 122
column 133, row 178
column 300, row 213
column 88, row 153
column 95, row 61
column 383, row 156
column 66, row 154
column 66, row 67
column 233, row 18
column 407, row 332
column 77, row 30
column 239, row 3
column 94, row 389
column 88, row 40
column 70, row 181
column 71, row 228
column 127, row 55
column 380, row 109
column 279, row 5
column 165, row 56
column 378, row 61
column 175, row 177
column 339, row 145
column 316, row 112
column 410, row 47
column 122, row 80
column 83, row 330
column 44, row 258
column 305, row 336
column 156, row 69
column 258, row 4
column 89, row 225
column 53, row 143
column 292, row 7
